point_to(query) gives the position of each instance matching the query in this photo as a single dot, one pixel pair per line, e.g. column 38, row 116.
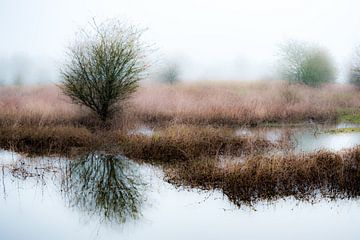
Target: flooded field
column 101, row 196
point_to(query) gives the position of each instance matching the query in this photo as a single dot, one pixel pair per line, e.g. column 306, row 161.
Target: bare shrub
column 104, row 67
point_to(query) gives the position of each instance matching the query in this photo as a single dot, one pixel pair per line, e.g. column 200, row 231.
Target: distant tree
column 303, row 63
column 354, row 72
column 170, row 73
column 104, row 67
column 18, row 79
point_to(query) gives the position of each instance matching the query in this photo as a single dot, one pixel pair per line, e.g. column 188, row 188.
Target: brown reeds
column 177, row 142
column 46, row 140
column 184, row 142
column 266, row 178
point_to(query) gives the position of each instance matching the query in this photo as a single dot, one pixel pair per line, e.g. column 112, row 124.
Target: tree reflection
column 104, row 185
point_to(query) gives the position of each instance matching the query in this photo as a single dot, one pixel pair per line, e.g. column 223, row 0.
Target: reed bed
column 268, row 178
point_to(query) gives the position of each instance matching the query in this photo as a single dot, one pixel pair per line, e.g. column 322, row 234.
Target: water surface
column 308, row 138
column 109, row 197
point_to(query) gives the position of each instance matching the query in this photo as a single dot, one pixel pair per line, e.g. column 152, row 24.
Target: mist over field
column 190, row 119
column 222, row 40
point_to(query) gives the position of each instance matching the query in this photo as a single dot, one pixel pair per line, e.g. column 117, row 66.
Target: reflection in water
column 104, row 185
column 35, row 210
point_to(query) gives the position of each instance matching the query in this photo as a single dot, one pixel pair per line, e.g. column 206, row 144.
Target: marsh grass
column 188, row 144
column 46, row 140
column 214, row 103
column 243, row 103
column 197, row 157
column 184, row 142
column 269, row 178
column 176, row 142
column 46, row 106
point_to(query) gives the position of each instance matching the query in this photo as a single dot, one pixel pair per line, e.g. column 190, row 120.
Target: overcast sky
column 227, row 39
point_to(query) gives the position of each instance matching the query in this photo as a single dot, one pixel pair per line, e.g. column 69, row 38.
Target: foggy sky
column 228, row 39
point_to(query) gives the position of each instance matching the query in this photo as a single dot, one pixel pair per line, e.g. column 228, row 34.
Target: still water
column 308, row 138
column 105, row 197
column 100, row 196
column 311, row 139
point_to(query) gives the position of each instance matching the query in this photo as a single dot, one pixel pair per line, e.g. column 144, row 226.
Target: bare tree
column 104, row 67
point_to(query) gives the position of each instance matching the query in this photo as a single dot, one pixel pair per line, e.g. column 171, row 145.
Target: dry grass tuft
column 46, row 140
column 268, row 178
column 181, row 142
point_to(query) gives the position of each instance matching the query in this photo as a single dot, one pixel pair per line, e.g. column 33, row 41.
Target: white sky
column 224, row 39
